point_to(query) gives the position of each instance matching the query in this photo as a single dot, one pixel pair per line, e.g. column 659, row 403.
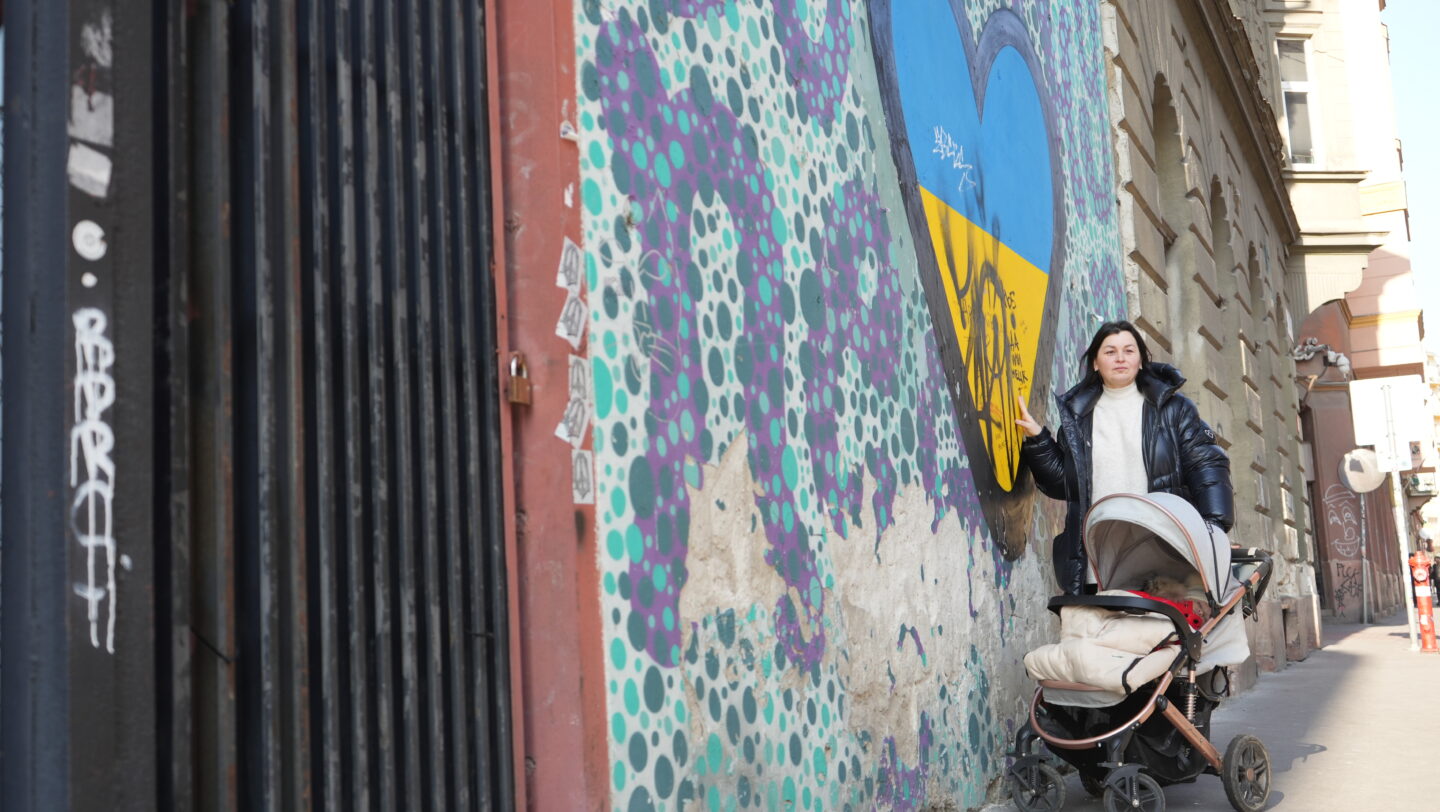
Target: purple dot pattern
column 744, row 291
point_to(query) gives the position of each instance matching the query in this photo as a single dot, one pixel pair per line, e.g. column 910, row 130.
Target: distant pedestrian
column 1434, row 564
column 1125, row 428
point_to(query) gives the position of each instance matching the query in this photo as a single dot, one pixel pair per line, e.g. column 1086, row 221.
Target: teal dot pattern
column 748, row 282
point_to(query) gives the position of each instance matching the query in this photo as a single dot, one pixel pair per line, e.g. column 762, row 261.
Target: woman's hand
column 1025, row 421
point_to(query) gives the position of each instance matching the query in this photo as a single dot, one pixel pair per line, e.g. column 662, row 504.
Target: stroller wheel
column 1094, row 787
column 1247, row 774
column 1136, row 793
column 1037, row 787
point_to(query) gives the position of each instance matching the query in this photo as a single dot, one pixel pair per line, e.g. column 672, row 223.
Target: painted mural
column 977, row 165
column 826, row 244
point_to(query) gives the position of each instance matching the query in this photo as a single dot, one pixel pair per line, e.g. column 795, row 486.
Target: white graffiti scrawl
column 92, row 469
column 1341, row 521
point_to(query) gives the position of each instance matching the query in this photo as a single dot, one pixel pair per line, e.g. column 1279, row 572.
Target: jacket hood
column 1156, row 382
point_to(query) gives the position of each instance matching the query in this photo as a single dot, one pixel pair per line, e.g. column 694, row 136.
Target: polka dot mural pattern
column 753, row 299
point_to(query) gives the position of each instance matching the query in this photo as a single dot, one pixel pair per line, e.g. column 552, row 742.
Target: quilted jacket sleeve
column 1046, row 457
column 1207, row 469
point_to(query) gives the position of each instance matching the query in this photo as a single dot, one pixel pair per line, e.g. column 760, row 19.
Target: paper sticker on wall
column 572, row 262
column 579, row 378
column 573, row 318
column 582, row 477
column 575, row 422
column 89, row 170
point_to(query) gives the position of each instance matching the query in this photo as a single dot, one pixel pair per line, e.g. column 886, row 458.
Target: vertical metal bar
column 290, row 376
column 255, row 486
column 395, row 146
column 455, row 412
column 413, row 277
column 35, row 599
column 371, row 553
column 352, row 237
column 174, row 652
column 121, row 685
column 495, row 757
column 473, row 249
column 216, row 757
column 317, row 124
column 77, row 698
column 426, row 121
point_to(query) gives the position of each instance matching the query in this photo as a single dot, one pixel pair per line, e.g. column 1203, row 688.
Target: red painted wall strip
column 557, row 663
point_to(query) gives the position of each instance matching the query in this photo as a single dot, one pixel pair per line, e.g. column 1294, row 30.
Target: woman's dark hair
column 1087, row 364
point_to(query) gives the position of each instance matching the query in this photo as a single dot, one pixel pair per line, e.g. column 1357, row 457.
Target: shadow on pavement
column 1333, row 631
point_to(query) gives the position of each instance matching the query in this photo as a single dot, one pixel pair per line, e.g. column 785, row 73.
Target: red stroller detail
column 1126, row 694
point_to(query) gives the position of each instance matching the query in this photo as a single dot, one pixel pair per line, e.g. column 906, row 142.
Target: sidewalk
column 1353, row 727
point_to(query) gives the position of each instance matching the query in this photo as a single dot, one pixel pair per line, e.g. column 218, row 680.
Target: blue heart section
column 991, row 165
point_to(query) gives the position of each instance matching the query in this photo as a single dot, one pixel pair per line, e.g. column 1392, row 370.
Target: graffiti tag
column 1349, row 585
column 950, row 150
column 92, row 470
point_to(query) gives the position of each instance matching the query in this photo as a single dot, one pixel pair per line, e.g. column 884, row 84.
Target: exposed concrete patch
column 933, row 590
column 726, row 562
column 915, row 591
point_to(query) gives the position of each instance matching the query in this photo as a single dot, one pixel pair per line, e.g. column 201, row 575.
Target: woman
column 1125, row 428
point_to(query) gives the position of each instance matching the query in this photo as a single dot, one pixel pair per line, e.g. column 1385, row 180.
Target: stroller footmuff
column 1126, row 695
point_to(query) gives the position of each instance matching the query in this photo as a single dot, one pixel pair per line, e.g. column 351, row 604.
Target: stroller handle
column 1256, row 565
column 1189, row 638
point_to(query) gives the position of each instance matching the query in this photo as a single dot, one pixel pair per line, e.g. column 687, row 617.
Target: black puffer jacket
column 1181, row 457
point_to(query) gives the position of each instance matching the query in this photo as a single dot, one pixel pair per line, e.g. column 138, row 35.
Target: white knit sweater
column 1118, row 464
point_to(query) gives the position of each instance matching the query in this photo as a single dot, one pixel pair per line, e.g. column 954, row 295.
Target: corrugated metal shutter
column 342, row 374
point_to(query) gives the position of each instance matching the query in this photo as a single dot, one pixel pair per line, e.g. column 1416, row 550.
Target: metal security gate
column 346, row 381
column 266, row 286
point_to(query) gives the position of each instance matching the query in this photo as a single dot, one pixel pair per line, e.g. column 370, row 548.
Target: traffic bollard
column 1424, row 599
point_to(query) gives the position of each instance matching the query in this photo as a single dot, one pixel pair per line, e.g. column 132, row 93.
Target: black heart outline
column 1006, row 512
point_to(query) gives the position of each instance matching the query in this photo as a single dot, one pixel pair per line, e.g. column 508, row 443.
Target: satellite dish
column 1360, row 470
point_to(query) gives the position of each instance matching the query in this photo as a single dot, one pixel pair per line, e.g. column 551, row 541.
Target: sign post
column 1401, row 400
column 1360, row 472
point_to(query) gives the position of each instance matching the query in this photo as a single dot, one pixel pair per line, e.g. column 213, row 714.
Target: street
column 1352, row 727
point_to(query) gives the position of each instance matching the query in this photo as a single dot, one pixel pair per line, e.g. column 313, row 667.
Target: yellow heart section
column 997, row 304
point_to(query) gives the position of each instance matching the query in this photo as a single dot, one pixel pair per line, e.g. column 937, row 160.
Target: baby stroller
column 1126, row 695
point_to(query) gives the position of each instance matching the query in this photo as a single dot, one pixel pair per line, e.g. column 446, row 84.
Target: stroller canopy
column 1129, row 536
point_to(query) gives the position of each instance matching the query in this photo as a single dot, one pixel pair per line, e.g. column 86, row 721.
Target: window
column 1299, row 95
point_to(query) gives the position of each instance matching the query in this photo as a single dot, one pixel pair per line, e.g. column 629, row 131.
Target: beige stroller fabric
column 1105, row 649
column 1129, row 537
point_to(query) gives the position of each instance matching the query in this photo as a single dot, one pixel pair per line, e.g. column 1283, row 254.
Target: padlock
column 519, row 380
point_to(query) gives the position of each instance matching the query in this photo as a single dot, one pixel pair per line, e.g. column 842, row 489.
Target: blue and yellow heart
column 978, row 169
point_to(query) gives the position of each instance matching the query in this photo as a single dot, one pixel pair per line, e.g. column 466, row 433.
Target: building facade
column 1207, row 226
column 1350, row 279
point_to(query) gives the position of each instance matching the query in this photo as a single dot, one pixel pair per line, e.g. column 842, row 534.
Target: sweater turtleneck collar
column 1127, row 391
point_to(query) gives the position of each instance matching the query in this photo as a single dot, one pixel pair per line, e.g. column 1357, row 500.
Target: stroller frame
column 1031, row 772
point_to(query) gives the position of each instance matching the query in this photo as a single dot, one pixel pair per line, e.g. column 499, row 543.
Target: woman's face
column 1118, row 360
